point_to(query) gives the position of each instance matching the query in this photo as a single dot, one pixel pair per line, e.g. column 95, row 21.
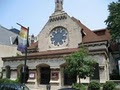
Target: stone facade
column 61, row 36
column 6, row 51
column 73, row 29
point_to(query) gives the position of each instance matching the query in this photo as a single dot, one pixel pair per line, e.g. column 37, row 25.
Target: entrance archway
column 67, row 79
column 43, row 73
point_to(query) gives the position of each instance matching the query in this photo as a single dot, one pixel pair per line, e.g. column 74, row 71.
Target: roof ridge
column 3, row 28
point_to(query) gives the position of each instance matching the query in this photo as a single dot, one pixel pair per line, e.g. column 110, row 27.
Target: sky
column 35, row 13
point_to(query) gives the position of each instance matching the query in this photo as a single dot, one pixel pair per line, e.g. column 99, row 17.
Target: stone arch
column 8, row 71
column 96, row 72
column 63, row 65
column 43, row 65
column 43, row 72
column 66, row 78
column 19, row 69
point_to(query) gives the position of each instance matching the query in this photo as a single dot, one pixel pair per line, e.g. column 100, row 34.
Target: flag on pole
column 22, row 39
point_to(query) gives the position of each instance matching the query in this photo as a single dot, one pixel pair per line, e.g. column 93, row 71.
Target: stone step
column 42, row 87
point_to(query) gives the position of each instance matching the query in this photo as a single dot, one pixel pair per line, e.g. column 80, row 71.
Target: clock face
column 58, row 36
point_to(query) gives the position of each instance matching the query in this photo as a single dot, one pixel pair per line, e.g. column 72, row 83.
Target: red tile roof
column 104, row 34
column 90, row 35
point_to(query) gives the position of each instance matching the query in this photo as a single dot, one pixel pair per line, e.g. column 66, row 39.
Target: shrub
column 109, row 85
column 78, row 86
column 94, row 85
column 6, row 80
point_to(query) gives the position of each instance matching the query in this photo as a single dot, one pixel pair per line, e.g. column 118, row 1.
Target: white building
column 7, row 49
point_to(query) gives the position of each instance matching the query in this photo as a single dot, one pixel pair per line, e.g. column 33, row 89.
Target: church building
column 61, row 36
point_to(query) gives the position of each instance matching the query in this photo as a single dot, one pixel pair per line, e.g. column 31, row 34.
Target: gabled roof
column 14, row 30
column 6, row 35
column 90, row 35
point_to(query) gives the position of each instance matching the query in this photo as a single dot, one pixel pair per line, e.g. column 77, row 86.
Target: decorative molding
column 57, row 18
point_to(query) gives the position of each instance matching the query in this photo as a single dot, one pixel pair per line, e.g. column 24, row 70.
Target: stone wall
column 7, row 51
column 73, row 29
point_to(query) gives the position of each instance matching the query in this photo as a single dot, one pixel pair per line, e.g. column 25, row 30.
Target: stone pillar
column 37, row 75
column 13, row 74
column 61, row 77
column 102, row 74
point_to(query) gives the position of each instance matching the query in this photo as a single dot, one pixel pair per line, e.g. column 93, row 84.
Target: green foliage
column 113, row 20
column 109, row 85
column 78, row 86
column 6, row 80
column 94, row 85
column 80, row 64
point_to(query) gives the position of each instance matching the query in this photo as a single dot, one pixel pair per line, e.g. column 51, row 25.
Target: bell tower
column 58, row 5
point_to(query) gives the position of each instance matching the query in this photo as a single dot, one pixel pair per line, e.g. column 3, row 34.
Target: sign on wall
column 55, row 75
column 32, row 75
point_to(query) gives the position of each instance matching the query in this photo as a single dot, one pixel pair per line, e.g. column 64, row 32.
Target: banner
column 22, row 39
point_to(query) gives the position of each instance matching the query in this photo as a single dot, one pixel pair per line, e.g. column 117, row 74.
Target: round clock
column 58, row 36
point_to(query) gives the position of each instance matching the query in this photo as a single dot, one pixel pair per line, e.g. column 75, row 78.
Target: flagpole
column 26, row 47
column 21, row 25
column 25, row 60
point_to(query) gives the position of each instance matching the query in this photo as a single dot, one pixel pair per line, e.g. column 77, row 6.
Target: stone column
column 62, row 76
column 37, row 75
column 102, row 74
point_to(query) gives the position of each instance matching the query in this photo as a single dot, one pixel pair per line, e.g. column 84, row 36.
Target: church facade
column 61, row 36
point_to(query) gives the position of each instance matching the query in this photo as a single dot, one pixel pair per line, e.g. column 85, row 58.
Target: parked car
column 68, row 89
column 8, row 86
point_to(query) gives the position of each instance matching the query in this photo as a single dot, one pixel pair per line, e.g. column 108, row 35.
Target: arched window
column 96, row 73
column 8, row 71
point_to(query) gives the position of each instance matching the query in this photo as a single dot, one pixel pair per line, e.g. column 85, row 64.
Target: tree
column 113, row 20
column 80, row 63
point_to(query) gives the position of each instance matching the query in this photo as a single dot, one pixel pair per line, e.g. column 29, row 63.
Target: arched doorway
column 67, row 79
column 96, row 73
column 18, row 70
column 43, row 74
column 8, row 71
